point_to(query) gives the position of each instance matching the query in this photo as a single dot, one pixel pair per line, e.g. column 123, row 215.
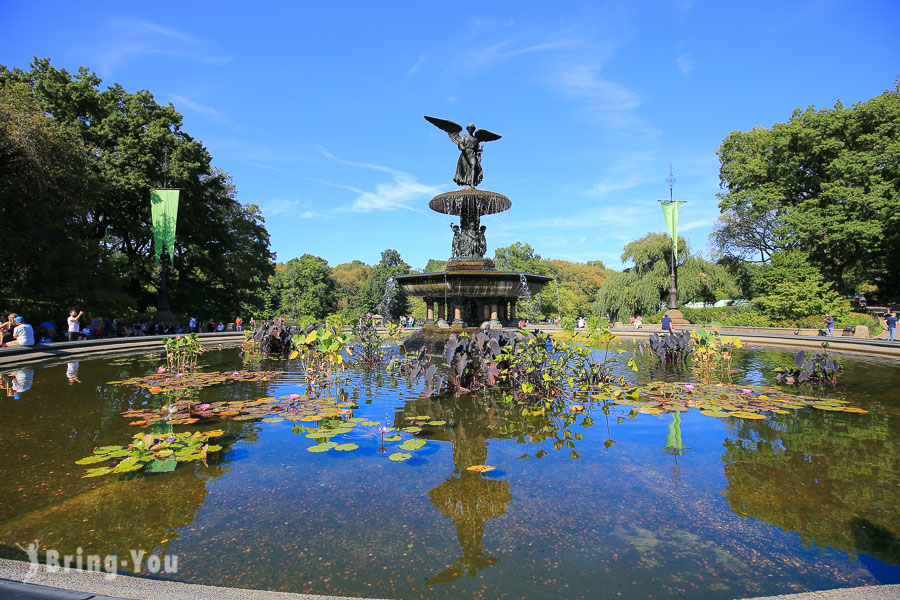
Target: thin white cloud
column 418, row 65
column 397, row 194
column 207, row 111
column 290, row 207
column 685, row 64
column 135, row 37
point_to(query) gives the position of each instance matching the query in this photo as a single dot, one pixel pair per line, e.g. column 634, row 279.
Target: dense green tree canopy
column 305, row 288
column 789, row 287
column 84, row 160
column 826, row 182
column 349, row 278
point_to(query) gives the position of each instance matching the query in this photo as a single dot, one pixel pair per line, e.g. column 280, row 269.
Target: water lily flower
column 236, row 373
column 168, row 379
column 294, row 396
column 746, row 391
column 382, row 430
column 171, row 439
column 689, row 387
column 180, row 375
column 292, row 409
column 205, row 407
column 161, row 370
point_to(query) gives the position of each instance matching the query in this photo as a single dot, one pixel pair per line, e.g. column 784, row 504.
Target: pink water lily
column 236, row 373
column 180, row 375
column 294, row 396
column 161, row 370
column 168, row 379
column 205, row 407
column 746, row 391
column 689, row 387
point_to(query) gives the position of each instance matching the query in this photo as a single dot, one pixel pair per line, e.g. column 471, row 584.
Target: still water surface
column 805, row 500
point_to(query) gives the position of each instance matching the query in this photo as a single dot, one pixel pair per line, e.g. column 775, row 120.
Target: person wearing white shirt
column 74, row 329
column 23, row 334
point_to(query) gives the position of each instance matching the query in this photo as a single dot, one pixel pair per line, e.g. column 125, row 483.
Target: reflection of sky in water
column 716, row 519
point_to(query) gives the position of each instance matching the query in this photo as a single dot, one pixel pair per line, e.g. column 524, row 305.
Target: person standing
column 891, row 322
column 829, row 325
column 192, row 324
column 238, row 324
column 74, row 329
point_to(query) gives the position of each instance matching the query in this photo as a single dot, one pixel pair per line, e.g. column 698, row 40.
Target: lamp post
column 670, row 210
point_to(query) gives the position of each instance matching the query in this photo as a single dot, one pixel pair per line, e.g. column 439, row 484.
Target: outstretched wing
column 483, row 135
column 445, row 125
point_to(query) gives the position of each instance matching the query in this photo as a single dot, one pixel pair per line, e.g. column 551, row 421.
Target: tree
column 372, row 292
column 579, row 284
column 120, row 145
column 522, row 258
column 349, row 277
column 827, row 182
column 641, row 289
column 434, row 265
column 305, row 288
column 789, row 287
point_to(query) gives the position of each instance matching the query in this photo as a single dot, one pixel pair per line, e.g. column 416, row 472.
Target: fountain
column 470, row 293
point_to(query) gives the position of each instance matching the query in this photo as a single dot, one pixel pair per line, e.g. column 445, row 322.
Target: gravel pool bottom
column 599, row 504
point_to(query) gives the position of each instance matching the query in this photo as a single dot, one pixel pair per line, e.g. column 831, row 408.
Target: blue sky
column 315, row 109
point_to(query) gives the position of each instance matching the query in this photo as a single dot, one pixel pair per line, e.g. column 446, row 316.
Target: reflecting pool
column 579, row 505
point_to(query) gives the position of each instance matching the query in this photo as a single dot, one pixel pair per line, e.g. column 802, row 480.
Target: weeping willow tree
column 640, row 289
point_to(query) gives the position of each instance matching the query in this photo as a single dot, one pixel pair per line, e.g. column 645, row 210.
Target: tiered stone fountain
column 470, row 293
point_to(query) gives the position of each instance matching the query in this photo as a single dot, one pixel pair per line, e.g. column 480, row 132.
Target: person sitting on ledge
column 23, row 333
column 666, row 324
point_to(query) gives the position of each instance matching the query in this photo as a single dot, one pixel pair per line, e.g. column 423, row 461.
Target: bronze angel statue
column 468, row 168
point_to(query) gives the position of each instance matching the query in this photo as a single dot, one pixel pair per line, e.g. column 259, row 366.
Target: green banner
column 673, row 440
column 670, row 211
column 164, row 209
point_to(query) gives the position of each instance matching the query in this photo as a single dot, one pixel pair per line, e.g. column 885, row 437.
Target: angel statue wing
column 483, row 135
column 450, row 127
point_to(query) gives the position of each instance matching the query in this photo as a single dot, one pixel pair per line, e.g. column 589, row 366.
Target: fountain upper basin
column 472, row 284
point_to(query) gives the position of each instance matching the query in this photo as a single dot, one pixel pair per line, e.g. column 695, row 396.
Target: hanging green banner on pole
column 670, row 212
column 164, row 210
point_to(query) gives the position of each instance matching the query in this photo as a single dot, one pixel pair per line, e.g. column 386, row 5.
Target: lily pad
column 393, row 438
column 400, row 456
column 437, row 423
column 346, row 447
column 480, row 468
column 412, row 444
column 93, row 459
column 323, row 447
column 412, row 429
column 97, row 472
column 162, row 466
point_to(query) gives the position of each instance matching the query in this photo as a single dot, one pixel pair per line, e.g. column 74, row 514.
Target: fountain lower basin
column 464, row 298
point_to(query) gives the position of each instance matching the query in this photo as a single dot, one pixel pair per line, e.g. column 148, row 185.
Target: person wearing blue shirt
column 666, row 323
column 891, row 323
column 829, row 325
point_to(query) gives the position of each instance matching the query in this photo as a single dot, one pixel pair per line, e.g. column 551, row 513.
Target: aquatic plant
column 371, row 349
column 717, row 400
column 153, row 453
column 321, row 352
column 713, row 352
column 182, row 353
column 670, row 348
column 817, row 369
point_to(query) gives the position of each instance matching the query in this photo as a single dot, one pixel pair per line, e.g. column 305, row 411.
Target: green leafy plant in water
column 713, row 352
column 321, row 353
column 182, row 353
column 152, row 453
